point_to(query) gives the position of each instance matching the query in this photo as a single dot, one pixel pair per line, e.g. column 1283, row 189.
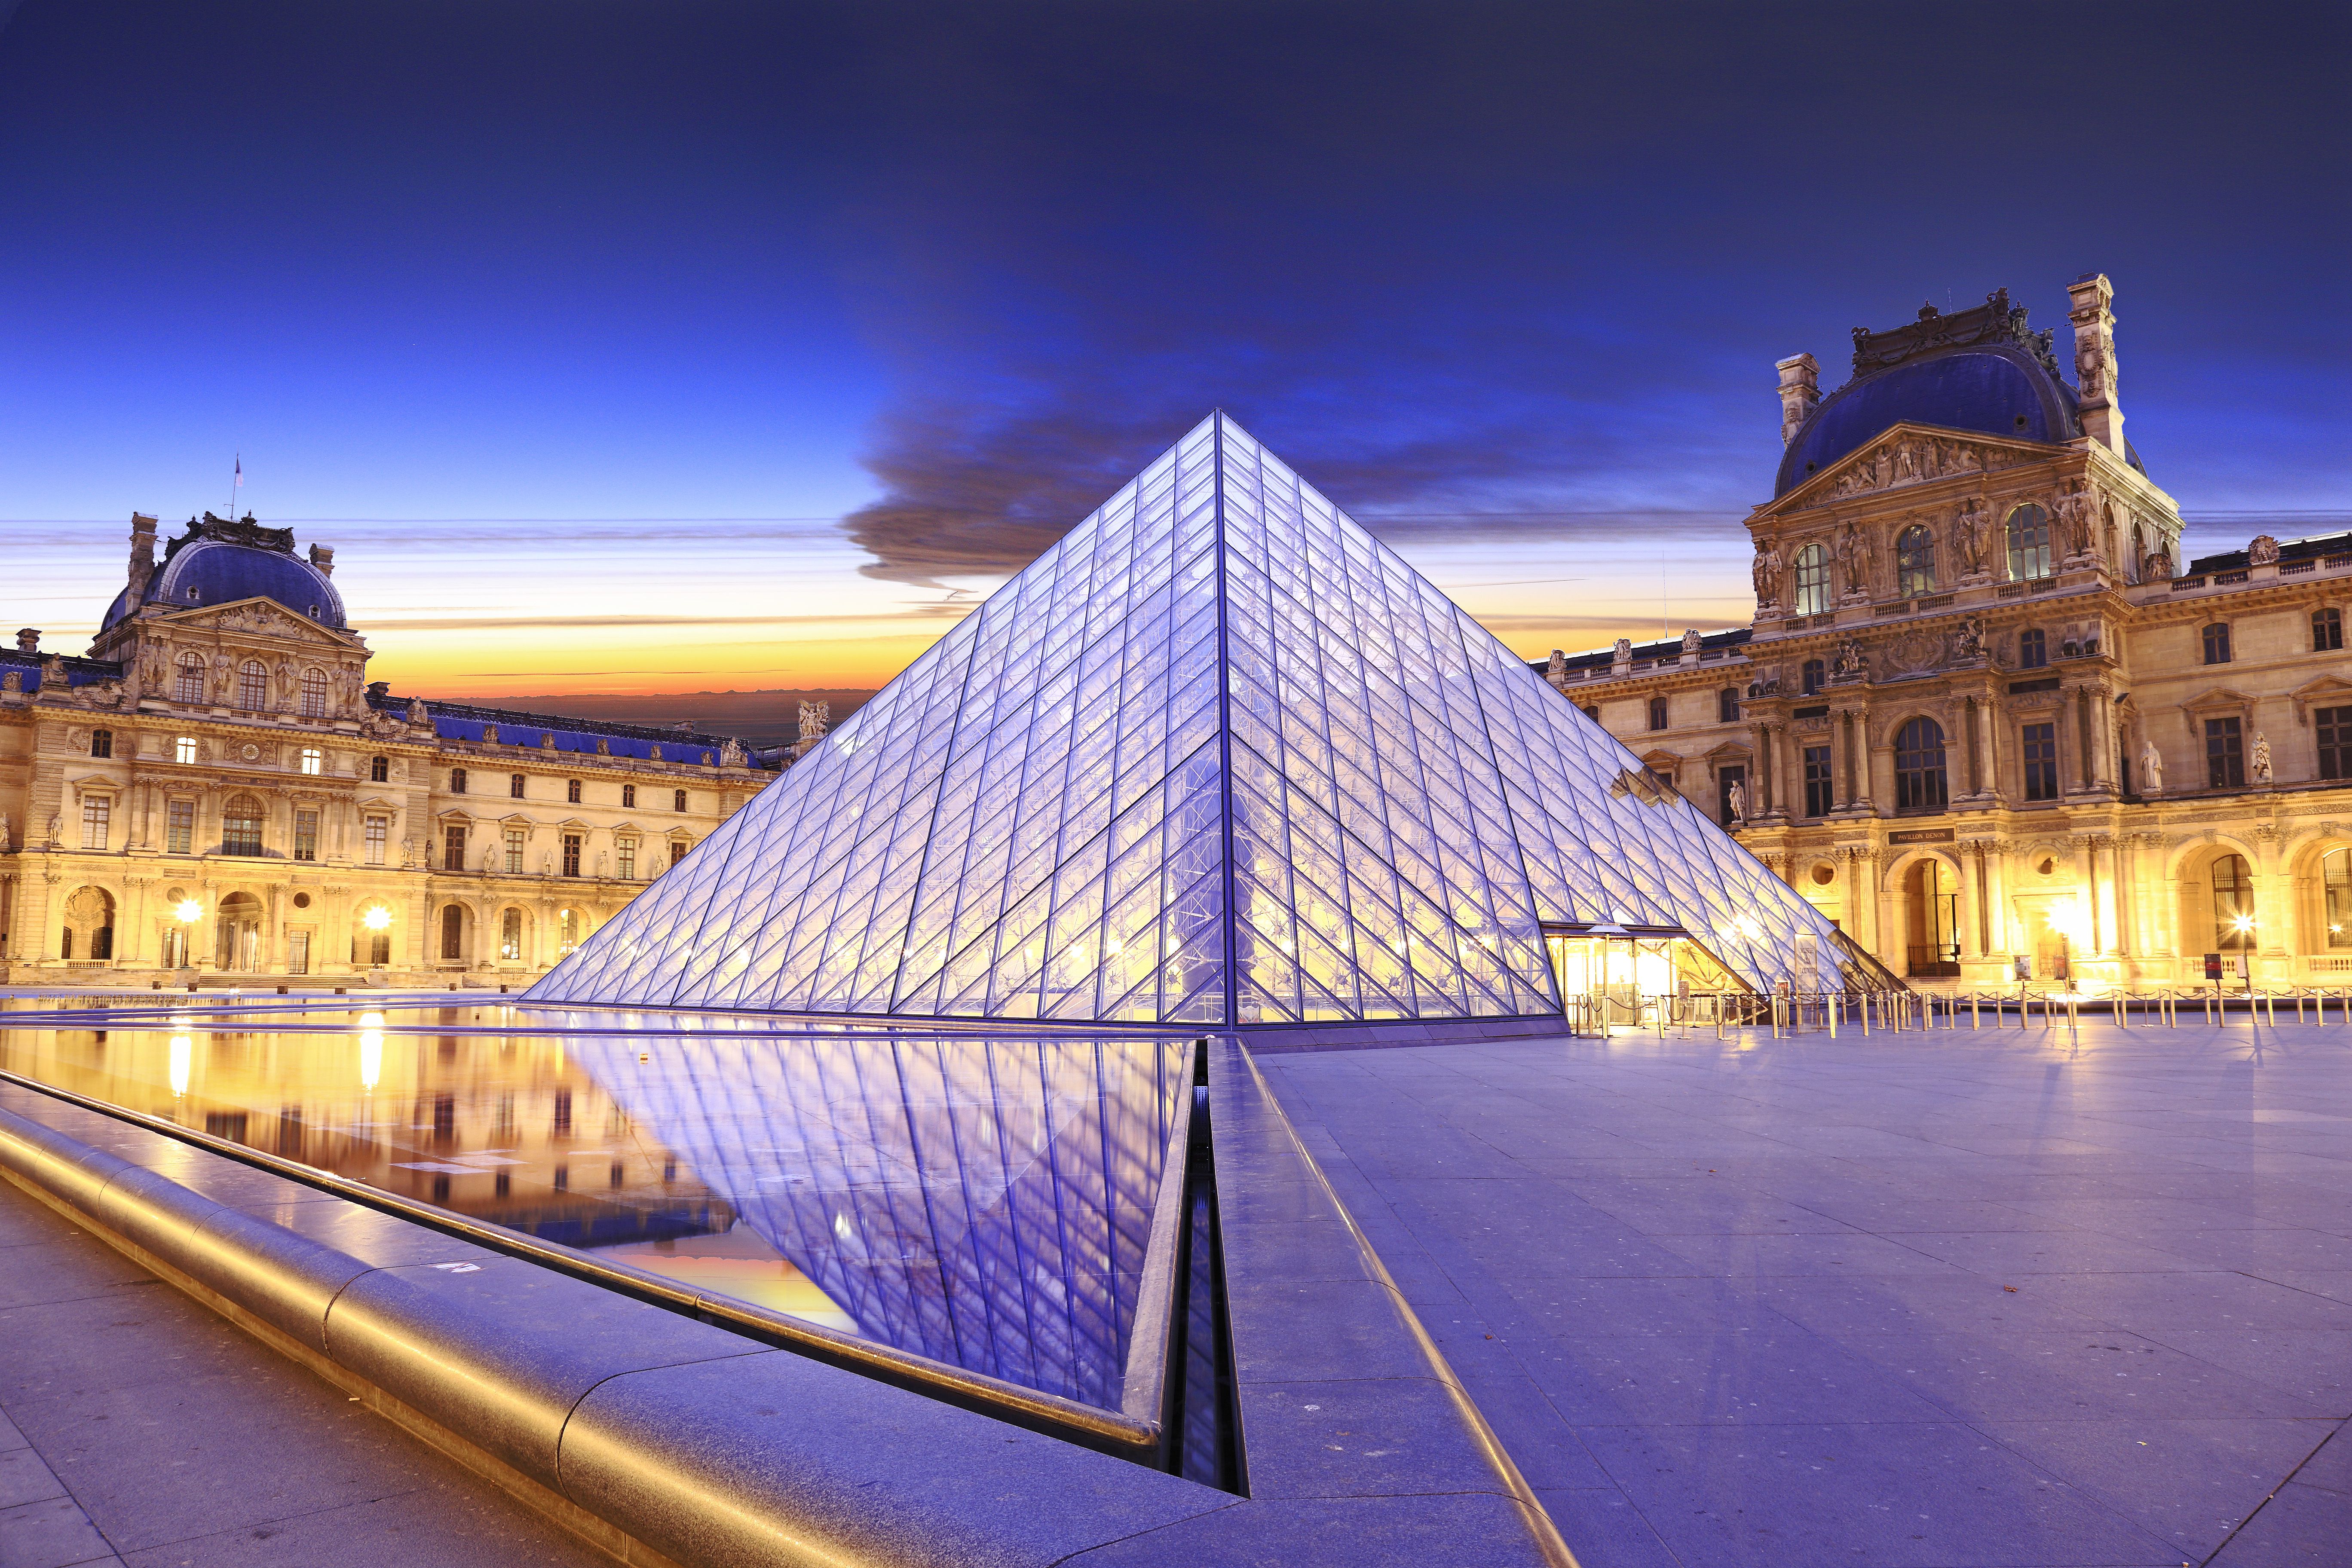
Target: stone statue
column 1556, row 672
column 13, row 681
column 547, row 740
column 494, row 858
column 2158, row 568
column 57, row 826
column 731, row 752
column 2263, row 550
column 490, row 734
column 223, row 680
column 1738, row 801
column 2258, row 759
column 1766, row 571
column 2078, row 511
column 603, row 746
column 1906, row 463
column 547, row 862
column 815, row 719
column 1854, row 554
column 1969, row 641
column 1621, row 653
column 1850, row 659
column 2151, row 770
column 285, row 683
column 417, row 712
column 4, row 831
column 600, row 864
column 1690, row 644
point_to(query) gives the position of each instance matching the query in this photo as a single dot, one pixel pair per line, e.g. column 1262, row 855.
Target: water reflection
column 986, row 1202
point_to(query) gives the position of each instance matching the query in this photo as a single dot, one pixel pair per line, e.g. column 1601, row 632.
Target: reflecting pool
column 984, row 1200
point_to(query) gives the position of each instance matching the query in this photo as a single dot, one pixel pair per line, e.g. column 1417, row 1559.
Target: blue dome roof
column 1996, row 390
column 200, row 571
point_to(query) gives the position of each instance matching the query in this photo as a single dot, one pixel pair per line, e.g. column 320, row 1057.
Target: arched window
column 189, row 684
column 2029, row 543
column 241, row 826
column 1919, row 766
column 1915, row 561
column 253, row 686
column 2233, row 904
column 1657, row 713
column 2335, row 879
column 2138, row 562
column 510, row 936
column 314, row 694
column 1813, row 578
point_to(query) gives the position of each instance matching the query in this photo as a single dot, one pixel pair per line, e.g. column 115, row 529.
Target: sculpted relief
column 1766, row 573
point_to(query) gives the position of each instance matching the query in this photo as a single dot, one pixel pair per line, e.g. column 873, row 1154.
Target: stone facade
column 218, row 792
column 1982, row 717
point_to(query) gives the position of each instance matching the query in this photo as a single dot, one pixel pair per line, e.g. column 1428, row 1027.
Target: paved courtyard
column 1931, row 1299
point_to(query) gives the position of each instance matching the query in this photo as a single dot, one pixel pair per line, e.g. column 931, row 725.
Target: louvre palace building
column 217, row 793
column 1987, row 718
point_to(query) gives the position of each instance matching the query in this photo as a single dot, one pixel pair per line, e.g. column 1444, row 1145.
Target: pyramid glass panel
column 1218, row 756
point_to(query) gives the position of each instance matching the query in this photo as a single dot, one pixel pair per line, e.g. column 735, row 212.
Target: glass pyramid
column 1218, row 756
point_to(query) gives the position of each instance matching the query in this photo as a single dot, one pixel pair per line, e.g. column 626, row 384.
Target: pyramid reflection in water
column 1217, row 756
column 986, row 1203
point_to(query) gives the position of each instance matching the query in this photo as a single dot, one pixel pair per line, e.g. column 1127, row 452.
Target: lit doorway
column 1931, row 898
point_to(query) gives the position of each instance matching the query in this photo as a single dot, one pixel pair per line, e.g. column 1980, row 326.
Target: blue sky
column 650, row 347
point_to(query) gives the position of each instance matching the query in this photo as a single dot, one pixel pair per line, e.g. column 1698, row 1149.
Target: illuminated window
column 183, row 749
column 313, row 760
column 2336, row 877
column 180, row 827
column 96, row 810
column 1812, row 579
column 378, row 835
column 314, row 694
column 188, row 681
column 306, row 836
column 2233, row 904
column 241, row 819
column 1915, row 561
column 453, row 933
column 514, row 851
column 2029, row 543
column 510, row 936
column 567, row 931
column 629, row 797
column 253, row 686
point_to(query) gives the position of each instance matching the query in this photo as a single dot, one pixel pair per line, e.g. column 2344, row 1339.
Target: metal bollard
column 1834, row 1016
column 1973, row 1001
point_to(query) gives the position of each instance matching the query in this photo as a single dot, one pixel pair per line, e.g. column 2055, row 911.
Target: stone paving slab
column 1944, row 1299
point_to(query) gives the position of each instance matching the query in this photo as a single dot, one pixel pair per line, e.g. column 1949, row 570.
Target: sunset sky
column 671, row 347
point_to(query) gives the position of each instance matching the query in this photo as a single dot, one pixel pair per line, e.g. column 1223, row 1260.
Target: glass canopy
column 1218, row 756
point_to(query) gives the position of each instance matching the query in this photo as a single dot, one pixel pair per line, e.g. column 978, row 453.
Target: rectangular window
column 297, row 955
column 379, row 833
column 2326, row 632
column 514, row 785
column 2039, row 749
column 571, row 854
column 313, row 760
column 457, row 781
column 379, row 770
column 1726, row 705
column 2333, row 726
column 1816, row 675
column 514, row 851
column 2217, row 643
column 626, row 851
column 2225, row 758
column 677, row 801
column 180, row 827
column 572, row 791
column 2033, row 648
column 629, row 797
column 306, row 836
column 101, row 742
column 453, row 848
column 96, row 812
column 183, row 749
column 1817, row 781
column 677, row 851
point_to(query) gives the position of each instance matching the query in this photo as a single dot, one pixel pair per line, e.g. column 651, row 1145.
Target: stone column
column 1969, row 718
column 2106, row 912
column 1763, row 791
column 2086, row 877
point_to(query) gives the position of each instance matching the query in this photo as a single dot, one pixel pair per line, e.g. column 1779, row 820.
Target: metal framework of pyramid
column 1217, row 757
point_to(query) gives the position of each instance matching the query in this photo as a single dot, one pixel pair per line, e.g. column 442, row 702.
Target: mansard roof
column 220, row 561
column 2291, row 550
column 468, row 721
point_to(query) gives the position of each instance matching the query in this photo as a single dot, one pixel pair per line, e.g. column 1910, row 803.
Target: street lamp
column 376, row 918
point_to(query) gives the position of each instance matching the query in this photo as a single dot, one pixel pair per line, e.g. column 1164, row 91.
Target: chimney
column 2088, row 299
column 322, row 556
column 29, row 641
column 1801, row 394
column 143, row 556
